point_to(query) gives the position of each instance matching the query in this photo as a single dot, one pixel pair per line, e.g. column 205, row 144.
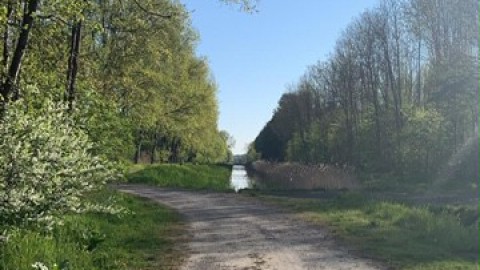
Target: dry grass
column 298, row 176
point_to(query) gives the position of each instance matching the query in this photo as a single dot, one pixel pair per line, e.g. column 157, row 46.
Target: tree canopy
column 129, row 66
column 398, row 94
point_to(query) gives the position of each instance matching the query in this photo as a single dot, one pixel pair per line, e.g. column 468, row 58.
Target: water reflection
column 239, row 179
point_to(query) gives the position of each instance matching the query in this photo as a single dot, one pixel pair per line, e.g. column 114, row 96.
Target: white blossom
column 46, row 165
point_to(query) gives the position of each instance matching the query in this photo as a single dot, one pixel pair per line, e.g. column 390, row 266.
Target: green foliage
column 396, row 97
column 189, row 176
column 424, row 133
column 139, row 239
column 139, row 81
column 268, row 144
column 139, row 86
column 106, row 127
column 252, row 154
column 168, row 95
column 46, row 165
column 309, row 147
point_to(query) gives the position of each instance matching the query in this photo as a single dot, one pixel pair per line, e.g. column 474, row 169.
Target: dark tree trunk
column 138, row 152
column 392, row 84
column 154, row 148
column 10, row 82
column 376, row 107
column 72, row 71
column 419, row 81
column 174, row 151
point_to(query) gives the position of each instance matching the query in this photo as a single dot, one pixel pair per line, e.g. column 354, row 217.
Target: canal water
column 239, row 179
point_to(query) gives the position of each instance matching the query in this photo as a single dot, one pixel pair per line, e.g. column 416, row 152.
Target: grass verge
column 143, row 238
column 403, row 236
column 187, row 176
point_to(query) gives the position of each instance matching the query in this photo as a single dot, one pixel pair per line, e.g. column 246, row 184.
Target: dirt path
column 234, row 232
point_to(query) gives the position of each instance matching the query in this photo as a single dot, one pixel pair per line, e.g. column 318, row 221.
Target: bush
column 46, row 165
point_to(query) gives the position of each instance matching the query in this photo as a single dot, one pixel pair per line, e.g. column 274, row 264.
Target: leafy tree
column 397, row 95
column 47, row 165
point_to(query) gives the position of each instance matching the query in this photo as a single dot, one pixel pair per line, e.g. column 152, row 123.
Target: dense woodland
column 397, row 96
column 128, row 68
column 89, row 86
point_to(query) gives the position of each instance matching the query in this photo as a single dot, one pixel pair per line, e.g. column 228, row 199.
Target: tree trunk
column 10, row 82
column 378, row 133
column 393, row 84
column 398, row 64
column 138, row 152
column 154, row 148
column 419, row 82
column 72, row 71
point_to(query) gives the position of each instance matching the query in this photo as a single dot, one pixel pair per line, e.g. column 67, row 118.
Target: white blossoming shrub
column 46, row 165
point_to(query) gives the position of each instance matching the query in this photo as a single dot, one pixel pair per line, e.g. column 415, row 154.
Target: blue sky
column 254, row 57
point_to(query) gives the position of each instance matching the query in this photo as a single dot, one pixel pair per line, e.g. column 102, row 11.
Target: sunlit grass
column 143, row 238
column 402, row 236
column 187, row 176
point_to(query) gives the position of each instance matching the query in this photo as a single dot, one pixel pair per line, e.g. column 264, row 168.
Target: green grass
column 186, row 176
column 402, row 236
column 389, row 182
column 142, row 238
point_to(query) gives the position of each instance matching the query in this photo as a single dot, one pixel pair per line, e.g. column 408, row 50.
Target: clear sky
column 254, row 57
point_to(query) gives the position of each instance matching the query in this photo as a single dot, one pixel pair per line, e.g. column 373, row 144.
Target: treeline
column 85, row 85
column 397, row 95
column 127, row 68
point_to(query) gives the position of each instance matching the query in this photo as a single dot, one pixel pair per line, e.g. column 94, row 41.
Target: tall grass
column 24, row 248
column 188, row 176
column 297, row 176
column 143, row 238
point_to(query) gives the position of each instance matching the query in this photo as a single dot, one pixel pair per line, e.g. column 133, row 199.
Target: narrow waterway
column 239, row 179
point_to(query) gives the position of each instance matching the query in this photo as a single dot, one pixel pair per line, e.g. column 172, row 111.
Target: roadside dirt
column 230, row 231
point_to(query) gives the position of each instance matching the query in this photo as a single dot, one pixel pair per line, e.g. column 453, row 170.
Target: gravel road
column 230, row 231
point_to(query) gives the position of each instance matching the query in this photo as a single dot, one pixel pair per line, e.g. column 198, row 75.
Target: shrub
column 46, row 165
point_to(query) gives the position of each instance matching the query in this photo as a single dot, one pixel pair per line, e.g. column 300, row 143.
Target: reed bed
column 298, row 176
